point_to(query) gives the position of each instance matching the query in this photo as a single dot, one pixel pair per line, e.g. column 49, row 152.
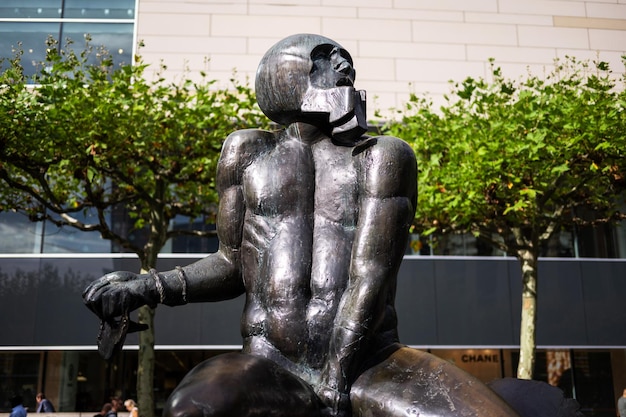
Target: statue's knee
column 200, row 397
column 241, row 385
column 180, row 406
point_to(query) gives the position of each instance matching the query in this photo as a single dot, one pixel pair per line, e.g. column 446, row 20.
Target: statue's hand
column 118, row 293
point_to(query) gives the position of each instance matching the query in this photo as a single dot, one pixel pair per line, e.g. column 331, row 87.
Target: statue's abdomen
column 277, row 246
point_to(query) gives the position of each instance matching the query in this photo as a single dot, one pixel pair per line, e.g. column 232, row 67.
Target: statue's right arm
column 215, row 277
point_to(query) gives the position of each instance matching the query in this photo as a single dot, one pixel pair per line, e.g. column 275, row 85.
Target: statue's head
column 309, row 78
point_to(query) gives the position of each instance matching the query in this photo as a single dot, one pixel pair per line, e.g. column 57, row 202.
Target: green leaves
column 91, row 136
column 504, row 154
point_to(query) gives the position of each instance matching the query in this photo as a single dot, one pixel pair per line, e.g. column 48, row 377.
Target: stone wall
column 399, row 46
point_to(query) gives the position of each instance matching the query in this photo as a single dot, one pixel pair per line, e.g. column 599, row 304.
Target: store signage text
column 480, row 358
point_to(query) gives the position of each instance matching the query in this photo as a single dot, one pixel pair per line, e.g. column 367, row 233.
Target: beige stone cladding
column 399, row 46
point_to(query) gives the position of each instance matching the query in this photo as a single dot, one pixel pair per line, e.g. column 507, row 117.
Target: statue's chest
column 281, row 181
column 336, row 184
column 295, row 178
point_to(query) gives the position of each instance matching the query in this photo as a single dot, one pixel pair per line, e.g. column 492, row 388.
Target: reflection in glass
column 71, row 240
column 18, row 234
column 74, row 9
column 116, row 38
column 89, row 9
column 32, row 37
column 30, row 9
column 31, row 33
column 558, row 363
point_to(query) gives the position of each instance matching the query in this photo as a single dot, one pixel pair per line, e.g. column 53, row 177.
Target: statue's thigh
column 412, row 382
column 236, row 384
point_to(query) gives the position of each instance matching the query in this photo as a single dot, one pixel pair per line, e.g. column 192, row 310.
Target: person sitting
column 43, row 404
column 17, row 407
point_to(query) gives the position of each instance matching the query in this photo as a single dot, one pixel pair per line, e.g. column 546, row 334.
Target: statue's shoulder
column 248, row 139
column 244, row 145
column 385, row 150
column 388, row 165
column 239, row 150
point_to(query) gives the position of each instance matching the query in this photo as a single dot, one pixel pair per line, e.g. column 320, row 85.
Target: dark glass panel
column 593, row 381
column 19, row 373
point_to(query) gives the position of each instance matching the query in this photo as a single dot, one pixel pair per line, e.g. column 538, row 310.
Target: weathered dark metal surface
column 313, row 224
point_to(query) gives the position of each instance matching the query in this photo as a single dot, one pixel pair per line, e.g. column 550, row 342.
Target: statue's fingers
column 94, row 306
column 94, row 287
column 94, row 298
column 114, row 304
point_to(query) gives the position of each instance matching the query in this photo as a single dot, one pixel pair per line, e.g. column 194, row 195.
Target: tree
column 90, row 140
column 513, row 162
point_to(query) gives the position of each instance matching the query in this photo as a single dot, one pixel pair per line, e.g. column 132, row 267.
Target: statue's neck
column 305, row 132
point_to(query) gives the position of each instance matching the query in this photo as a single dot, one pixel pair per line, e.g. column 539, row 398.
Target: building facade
column 456, row 298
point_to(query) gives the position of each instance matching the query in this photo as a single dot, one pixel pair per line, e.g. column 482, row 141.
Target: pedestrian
column 105, row 408
column 621, row 405
column 107, row 411
column 17, row 407
column 44, row 405
column 117, row 404
column 131, row 406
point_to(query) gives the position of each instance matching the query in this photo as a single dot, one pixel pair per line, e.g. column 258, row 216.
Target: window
column 26, row 24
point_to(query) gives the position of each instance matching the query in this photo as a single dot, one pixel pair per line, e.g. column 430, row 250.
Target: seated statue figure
column 313, row 223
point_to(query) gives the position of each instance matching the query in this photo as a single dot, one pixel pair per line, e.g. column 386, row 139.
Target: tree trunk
column 145, row 357
column 528, row 343
column 145, row 366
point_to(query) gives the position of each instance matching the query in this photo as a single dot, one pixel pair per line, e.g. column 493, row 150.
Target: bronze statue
column 312, row 224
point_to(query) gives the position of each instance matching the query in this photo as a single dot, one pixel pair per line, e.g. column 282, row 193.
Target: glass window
column 458, row 244
column 18, row 234
column 28, row 23
column 89, row 9
column 71, row 240
column 585, row 375
column 30, row 9
column 19, row 373
column 560, row 245
column 116, row 38
column 30, row 38
column 601, row 241
column 189, row 243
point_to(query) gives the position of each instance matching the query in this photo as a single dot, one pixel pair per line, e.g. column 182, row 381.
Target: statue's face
column 332, row 96
column 332, row 67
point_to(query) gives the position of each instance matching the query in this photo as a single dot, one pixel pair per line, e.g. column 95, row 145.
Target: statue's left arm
column 388, row 192
column 213, row 278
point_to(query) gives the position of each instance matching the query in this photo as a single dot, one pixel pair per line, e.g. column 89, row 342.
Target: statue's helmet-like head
column 309, row 78
column 283, row 76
